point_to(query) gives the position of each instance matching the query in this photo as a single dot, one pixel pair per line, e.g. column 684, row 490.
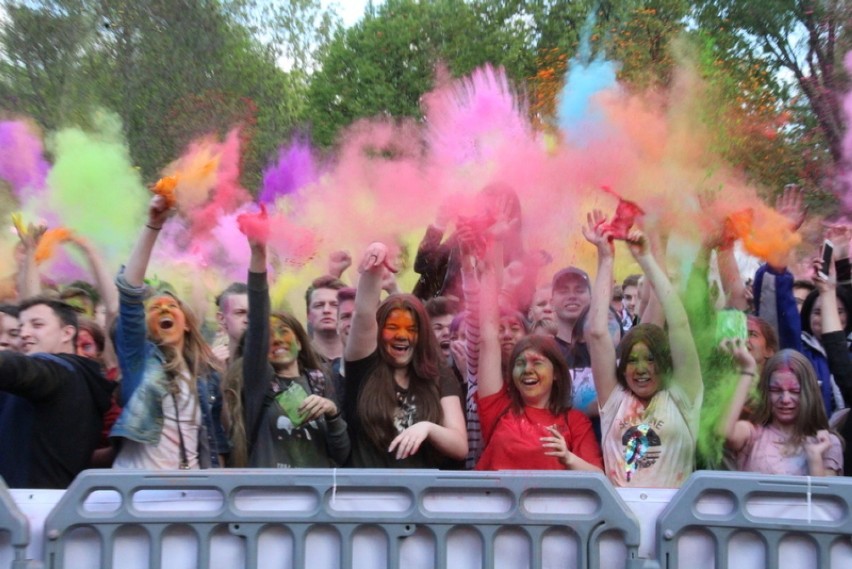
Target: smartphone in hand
column 827, row 254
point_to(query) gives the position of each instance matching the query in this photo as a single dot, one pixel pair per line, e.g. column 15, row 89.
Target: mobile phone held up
column 826, row 255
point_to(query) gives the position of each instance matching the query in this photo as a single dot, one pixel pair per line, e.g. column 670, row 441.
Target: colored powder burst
column 587, row 77
column 471, row 119
column 49, row 241
column 766, row 234
column 22, row 162
column 227, row 195
column 295, row 169
column 234, row 248
column 93, row 188
column 195, row 173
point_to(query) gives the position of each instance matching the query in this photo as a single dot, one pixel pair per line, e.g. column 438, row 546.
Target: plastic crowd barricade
column 743, row 520
column 15, row 528
column 342, row 518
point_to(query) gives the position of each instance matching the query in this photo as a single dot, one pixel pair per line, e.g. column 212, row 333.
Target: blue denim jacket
column 144, row 383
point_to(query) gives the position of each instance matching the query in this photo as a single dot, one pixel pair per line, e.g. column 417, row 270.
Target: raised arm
column 27, row 279
column 363, row 333
column 735, row 432
column 490, row 374
column 687, row 371
column 599, row 342
column 255, row 353
column 833, row 336
column 158, row 213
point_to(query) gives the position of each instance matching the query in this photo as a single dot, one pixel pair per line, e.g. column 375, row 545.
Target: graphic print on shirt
column 642, row 447
column 641, row 443
column 406, row 411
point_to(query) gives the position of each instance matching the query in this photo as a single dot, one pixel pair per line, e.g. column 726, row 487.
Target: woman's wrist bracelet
column 151, row 227
column 746, row 372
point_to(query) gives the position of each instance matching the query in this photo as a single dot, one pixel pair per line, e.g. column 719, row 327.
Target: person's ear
column 68, row 333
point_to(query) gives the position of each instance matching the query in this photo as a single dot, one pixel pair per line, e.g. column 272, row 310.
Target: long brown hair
column 196, row 354
column 232, row 388
column 232, row 412
column 377, row 401
column 559, row 401
column 811, row 415
column 307, row 358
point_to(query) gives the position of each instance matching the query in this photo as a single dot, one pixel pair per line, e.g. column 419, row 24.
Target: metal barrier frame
column 13, row 521
column 682, row 514
column 610, row 513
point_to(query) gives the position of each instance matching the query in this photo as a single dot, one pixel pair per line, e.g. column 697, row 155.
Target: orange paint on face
column 399, row 336
column 166, row 320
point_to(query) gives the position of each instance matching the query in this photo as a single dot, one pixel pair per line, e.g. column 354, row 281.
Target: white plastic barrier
column 726, row 519
column 14, row 532
column 343, row 518
column 727, row 538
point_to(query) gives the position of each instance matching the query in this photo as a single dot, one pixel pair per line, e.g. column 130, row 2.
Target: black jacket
column 63, row 397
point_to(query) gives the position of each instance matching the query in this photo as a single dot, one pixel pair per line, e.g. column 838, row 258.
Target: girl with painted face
column 789, row 431
column 402, row 402
column 526, row 420
column 170, row 382
column 288, row 414
column 650, row 402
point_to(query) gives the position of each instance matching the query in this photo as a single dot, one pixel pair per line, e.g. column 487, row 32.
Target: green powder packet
column 289, row 401
column 731, row 324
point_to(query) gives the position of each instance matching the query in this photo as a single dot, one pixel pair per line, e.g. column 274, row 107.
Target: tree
column 386, row 62
column 171, row 69
column 805, row 38
column 39, row 69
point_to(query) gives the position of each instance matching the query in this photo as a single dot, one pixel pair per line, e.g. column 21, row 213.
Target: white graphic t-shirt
column 649, row 446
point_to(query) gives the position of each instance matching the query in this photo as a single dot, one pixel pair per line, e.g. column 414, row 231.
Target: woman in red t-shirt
column 526, row 422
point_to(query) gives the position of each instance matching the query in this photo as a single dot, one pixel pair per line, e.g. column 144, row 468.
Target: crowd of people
column 494, row 361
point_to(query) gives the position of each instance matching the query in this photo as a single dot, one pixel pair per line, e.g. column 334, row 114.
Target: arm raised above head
column 601, row 348
column 364, row 331
column 687, row 371
column 158, row 213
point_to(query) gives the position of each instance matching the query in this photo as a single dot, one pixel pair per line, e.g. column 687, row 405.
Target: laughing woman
column 650, row 400
column 526, row 422
column 402, row 404
column 169, row 385
column 306, row 430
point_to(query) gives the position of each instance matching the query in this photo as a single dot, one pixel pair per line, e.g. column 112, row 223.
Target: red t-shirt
column 512, row 442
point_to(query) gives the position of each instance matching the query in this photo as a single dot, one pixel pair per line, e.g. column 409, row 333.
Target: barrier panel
column 15, row 527
column 727, row 519
column 341, row 518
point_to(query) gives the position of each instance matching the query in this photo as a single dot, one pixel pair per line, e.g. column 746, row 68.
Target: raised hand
column 791, row 205
column 376, row 255
column 598, row 234
column 339, row 261
column 255, row 226
column 158, row 212
column 638, row 243
column 840, row 235
column 738, row 349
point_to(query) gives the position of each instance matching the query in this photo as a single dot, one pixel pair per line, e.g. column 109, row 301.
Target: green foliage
column 172, row 70
column 386, row 62
column 800, row 45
